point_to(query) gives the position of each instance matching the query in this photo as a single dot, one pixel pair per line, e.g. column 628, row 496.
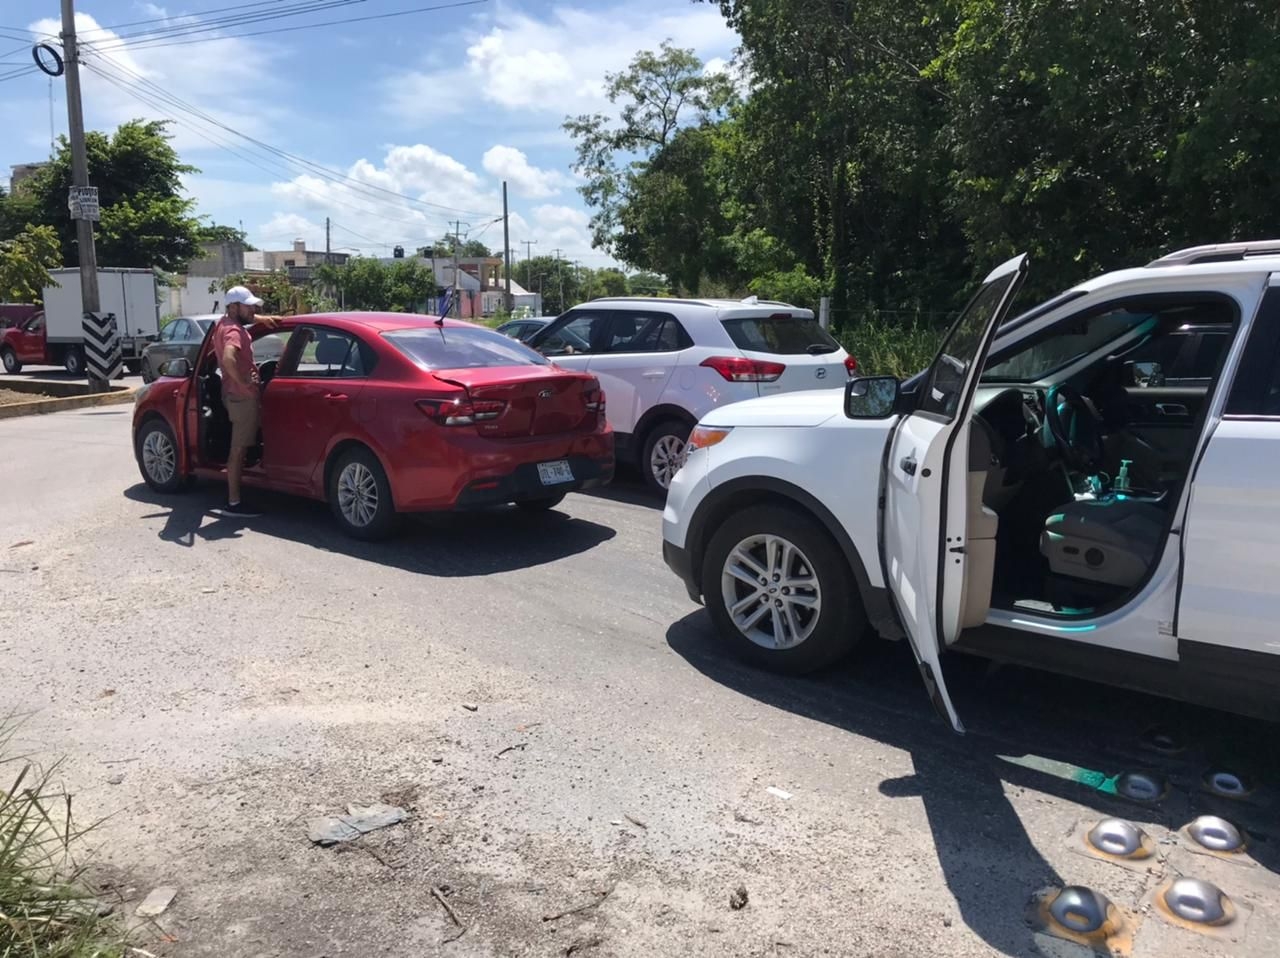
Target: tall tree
column 146, row 221
column 658, row 95
column 25, row 261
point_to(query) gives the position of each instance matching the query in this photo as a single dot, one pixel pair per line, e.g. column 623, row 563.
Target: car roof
column 377, row 322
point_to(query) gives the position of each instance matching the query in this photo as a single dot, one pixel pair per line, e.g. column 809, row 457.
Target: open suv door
column 924, row 517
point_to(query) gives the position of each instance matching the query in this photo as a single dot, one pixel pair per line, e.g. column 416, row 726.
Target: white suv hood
column 810, row 408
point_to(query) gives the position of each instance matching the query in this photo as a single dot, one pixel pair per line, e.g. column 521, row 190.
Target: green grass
column 896, row 349
column 47, row 909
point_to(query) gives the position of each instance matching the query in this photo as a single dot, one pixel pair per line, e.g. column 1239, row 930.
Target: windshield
column 1037, row 359
column 462, row 347
column 780, row 333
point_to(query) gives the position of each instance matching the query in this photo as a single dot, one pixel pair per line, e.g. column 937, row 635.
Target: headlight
column 704, row 437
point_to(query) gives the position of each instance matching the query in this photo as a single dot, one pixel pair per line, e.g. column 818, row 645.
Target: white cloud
column 555, row 65
column 508, row 163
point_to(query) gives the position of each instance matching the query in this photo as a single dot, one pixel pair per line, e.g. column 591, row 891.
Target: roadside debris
column 636, row 822
column 513, row 748
column 471, row 706
column 462, row 926
column 582, row 944
column 600, row 899
column 24, row 542
column 778, row 793
column 359, row 819
column 745, row 819
column 116, row 779
column 738, row 900
column 156, row 903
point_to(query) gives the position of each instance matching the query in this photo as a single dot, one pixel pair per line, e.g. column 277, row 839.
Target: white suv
column 1042, row 494
column 666, row 363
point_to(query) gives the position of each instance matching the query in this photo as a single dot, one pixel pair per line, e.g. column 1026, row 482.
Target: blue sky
column 440, row 106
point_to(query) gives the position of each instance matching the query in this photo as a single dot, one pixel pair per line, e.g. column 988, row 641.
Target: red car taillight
column 461, row 412
column 739, row 369
column 595, row 401
column 851, row 365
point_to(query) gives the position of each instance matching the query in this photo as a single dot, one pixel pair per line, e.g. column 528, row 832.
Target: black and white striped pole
column 83, row 202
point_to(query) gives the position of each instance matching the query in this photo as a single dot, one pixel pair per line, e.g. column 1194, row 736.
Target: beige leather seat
column 1113, row 541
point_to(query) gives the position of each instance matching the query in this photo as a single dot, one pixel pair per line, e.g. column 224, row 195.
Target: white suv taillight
column 739, row 369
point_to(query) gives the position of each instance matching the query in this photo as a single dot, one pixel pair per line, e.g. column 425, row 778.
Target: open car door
column 924, row 518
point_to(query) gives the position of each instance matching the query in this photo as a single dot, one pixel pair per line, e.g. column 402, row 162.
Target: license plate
column 554, row 473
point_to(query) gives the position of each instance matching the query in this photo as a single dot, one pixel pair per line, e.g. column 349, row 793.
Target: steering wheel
column 1075, row 426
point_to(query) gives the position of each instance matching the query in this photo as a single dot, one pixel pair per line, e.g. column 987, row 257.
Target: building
column 491, row 300
column 299, row 261
column 24, row 171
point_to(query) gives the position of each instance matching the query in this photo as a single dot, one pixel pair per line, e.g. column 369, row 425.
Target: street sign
column 83, row 202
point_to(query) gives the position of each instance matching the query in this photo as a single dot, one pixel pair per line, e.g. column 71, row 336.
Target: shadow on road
column 628, row 488
column 991, row 865
column 444, row 545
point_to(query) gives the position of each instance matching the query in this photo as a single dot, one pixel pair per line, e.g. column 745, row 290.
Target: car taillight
column 739, row 369
column 851, row 365
column 461, row 412
column 595, row 401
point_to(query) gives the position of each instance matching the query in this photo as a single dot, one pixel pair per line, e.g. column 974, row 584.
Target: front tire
column 148, row 376
column 663, row 454
column 157, row 454
column 74, row 361
column 360, row 495
column 12, row 364
column 780, row 591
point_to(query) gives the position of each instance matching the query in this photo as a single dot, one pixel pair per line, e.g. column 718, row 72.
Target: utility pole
column 456, row 309
column 528, row 263
column 326, row 240
column 559, row 276
column 506, row 248
column 80, row 178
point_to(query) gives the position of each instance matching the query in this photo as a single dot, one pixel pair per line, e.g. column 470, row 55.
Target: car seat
column 1111, row 541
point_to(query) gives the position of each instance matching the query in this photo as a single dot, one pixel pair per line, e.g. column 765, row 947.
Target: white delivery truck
column 128, row 293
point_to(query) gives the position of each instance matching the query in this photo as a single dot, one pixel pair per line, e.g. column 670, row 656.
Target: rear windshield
column 462, row 347
column 780, row 333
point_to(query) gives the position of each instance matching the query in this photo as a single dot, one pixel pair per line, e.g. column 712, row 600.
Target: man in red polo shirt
column 241, row 388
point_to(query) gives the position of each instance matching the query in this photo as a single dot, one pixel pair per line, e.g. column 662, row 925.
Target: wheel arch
column 336, row 452
column 655, row 416
column 743, row 493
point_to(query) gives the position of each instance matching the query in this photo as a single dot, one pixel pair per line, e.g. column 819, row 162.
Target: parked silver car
column 181, row 339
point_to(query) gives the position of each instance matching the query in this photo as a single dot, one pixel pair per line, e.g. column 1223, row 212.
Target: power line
column 305, row 26
column 194, row 13
column 15, row 74
column 193, row 27
column 318, row 169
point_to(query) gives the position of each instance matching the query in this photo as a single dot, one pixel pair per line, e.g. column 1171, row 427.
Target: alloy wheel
column 358, row 494
column 159, row 458
column 666, row 459
column 771, row 591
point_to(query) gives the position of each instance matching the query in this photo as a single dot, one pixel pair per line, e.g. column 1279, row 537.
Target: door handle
column 336, row 397
column 1172, row 409
column 908, row 465
column 653, row 373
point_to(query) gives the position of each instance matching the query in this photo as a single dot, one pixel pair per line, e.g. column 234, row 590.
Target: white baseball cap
column 241, row 294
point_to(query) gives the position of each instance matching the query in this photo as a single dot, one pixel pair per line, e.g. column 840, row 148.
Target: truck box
column 128, row 293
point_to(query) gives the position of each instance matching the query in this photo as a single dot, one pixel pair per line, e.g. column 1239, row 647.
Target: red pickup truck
column 25, row 343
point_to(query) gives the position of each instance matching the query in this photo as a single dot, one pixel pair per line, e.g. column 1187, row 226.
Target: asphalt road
column 561, row 723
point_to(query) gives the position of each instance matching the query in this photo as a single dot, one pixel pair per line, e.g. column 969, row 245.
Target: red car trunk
column 536, row 400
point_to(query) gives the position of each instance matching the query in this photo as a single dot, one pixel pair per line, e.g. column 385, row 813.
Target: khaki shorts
column 244, row 415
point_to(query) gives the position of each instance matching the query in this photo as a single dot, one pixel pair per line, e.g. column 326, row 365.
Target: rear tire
column 12, row 364
column 663, row 453
column 360, row 495
column 541, row 505
column 157, row 453
column 148, row 376
column 780, row 591
column 74, row 361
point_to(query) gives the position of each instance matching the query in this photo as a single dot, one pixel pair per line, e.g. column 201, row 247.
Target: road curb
column 39, row 406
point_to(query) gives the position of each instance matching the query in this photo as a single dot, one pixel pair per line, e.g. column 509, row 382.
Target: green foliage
column 549, row 276
column 25, row 261
column 645, row 283
column 891, row 346
column 214, row 233
column 146, row 222
column 446, row 244
column 47, row 909
column 364, row 283
column 280, row 296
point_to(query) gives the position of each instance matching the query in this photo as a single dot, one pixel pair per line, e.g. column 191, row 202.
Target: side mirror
column 1146, row 374
column 871, row 397
column 176, row 368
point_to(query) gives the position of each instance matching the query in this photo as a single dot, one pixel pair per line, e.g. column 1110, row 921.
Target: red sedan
column 380, row 413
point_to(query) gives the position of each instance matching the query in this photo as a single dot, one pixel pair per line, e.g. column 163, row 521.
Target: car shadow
column 1026, row 730
column 446, row 545
column 628, row 488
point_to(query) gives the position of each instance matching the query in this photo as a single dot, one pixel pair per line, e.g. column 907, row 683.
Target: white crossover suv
column 1045, row 493
column 666, row 363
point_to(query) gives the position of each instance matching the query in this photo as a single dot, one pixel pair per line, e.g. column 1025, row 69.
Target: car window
column 36, row 325
column 645, row 333
column 574, row 334
column 461, row 347
column 184, row 332
column 1205, row 357
column 316, row 352
column 780, row 333
column 1069, row 341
